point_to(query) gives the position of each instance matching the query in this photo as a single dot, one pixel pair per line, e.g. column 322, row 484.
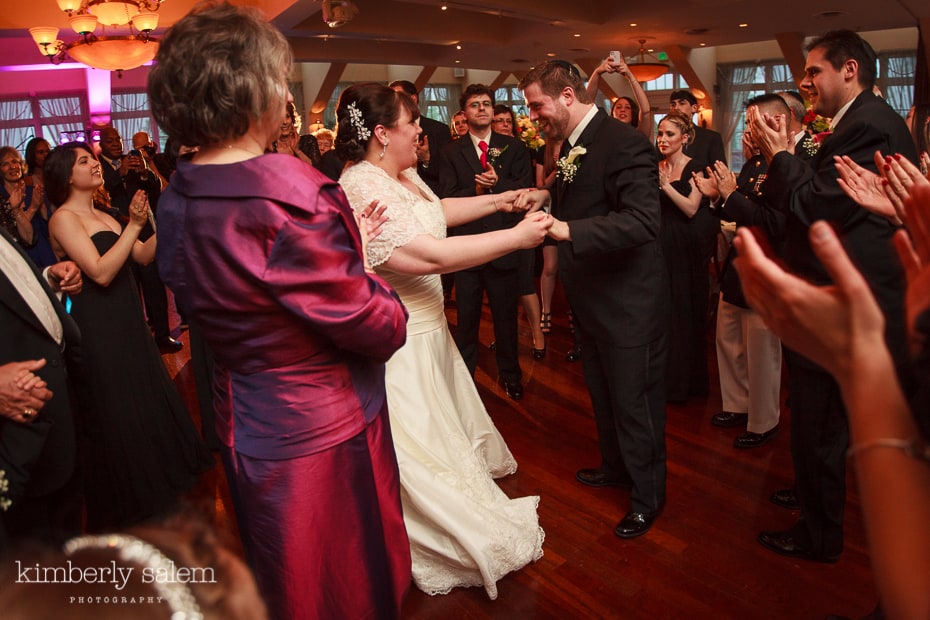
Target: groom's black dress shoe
column 635, row 524
column 597, row 478
column 754, row 440
column 514, row 390
column 786, row 498
column 784, row 543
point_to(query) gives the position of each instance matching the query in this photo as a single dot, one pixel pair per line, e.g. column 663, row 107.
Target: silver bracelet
column 914, row 448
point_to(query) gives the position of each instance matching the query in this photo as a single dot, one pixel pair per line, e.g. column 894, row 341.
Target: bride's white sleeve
column 361, row 188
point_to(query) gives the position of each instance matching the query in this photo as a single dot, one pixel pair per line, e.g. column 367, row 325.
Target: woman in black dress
column 684, row 242
column 141, row 450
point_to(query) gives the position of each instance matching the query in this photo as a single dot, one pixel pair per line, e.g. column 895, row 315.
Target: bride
column 464, row 531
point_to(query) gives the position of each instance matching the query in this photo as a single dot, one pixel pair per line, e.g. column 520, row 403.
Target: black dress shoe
column 538, row 354
column 169, row 345
column 786, row 498
column 727, row 419
column 635, row 524
column 573, row 355
column 784, row 543
column 598, row 478
column 514, row 390
column 754, row 440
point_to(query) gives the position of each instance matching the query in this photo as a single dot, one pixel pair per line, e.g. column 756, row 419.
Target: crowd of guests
column 347, row 418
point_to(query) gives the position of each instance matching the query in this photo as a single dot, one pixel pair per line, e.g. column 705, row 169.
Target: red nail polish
column 887, row 167
column 888, row 158
column 897, row 156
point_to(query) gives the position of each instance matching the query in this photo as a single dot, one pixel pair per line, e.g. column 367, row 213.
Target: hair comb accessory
column 131, row 549
column 356, row 120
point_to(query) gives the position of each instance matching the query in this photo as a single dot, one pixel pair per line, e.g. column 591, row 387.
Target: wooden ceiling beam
column 329, row 84
column 791, row 45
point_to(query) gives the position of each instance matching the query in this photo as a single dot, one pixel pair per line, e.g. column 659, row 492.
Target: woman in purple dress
column 264, row 253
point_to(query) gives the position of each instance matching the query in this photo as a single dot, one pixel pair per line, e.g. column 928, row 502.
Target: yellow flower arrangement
column 529, row 133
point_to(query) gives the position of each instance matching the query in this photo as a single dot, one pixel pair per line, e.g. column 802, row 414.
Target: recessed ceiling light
column 458, row 47
column 457, row 61
column 633, row 25
column 702, row 44
column 577, row 34
column 444, row 8
column 550, row 54
column 744, row 25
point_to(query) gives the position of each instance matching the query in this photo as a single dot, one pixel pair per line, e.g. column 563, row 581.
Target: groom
column 606, row 205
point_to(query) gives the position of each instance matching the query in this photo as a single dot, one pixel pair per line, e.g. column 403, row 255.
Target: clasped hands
column 22, row 392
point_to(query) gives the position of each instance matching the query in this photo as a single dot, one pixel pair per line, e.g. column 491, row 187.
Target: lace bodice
column 410, row 214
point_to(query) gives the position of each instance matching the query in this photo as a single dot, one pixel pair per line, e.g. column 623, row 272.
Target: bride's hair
column 363, row 106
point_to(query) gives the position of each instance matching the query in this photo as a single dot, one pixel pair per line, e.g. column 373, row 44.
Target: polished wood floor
column 701, row 558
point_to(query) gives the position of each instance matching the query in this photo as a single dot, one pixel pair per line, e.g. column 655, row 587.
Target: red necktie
column 484, row 154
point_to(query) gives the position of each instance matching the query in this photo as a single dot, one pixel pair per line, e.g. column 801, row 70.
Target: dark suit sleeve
column 811, row 192
column 450, row 163
column 744, row 211
column 716, row 150
column 515, row 170
column 631, row 182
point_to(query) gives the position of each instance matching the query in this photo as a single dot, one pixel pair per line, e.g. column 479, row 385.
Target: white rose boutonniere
column 569, row 164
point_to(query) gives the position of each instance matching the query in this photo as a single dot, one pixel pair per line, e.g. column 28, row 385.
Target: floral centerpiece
column 529, row 133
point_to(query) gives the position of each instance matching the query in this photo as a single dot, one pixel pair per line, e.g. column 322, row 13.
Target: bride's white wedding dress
column 464, row 531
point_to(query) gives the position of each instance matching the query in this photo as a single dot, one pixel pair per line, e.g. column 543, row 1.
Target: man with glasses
column 486, row 162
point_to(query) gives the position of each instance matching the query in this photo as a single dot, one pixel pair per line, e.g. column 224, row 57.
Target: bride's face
column 404, row 137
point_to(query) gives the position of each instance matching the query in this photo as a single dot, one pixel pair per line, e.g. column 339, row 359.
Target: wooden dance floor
column 701, row 558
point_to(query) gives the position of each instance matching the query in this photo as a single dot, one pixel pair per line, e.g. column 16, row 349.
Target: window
column 43, row 117
column 440, row 101
column 512, row 97
column 896, row 79
column 740, row 83
column 130, row 114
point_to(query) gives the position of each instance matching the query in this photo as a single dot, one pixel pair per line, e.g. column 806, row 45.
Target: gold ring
column 28, row 412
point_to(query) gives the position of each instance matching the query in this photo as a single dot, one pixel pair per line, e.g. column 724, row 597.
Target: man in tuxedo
column 484, row 162
column 123, row 176
column 38, row 452
column 433, row 139
column 607, row 217
column 708, row 144
column 840, row 73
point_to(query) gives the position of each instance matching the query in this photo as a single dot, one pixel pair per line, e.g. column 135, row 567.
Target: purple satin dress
column 266, row 257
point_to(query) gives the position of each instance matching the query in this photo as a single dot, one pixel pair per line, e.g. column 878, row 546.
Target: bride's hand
column 533, row 229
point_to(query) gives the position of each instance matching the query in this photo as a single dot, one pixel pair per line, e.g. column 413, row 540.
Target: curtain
column 733, row 81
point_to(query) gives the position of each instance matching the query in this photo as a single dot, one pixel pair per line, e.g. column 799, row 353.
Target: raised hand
column 707, row 185
column 139, row 208
column 865, row 188
column 913, row 246
column 373, row 218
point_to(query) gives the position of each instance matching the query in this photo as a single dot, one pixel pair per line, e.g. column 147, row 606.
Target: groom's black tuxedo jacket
column 458, row 166
column 612, row 270
column 38, row 457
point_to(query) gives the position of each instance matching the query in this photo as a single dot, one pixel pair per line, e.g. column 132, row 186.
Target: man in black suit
column 606, row 205
column 707, row 146
column 484, row 162
column 123, row 176
column 840, row 72
column 37, row 436
column 433, row 139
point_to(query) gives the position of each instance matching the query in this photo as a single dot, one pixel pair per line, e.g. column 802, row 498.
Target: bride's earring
column 383, row 149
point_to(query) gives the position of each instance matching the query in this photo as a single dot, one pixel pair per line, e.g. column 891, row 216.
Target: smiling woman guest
column 682, row 237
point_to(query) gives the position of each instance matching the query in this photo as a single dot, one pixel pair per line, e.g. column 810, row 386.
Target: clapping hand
column 707, row 185
column 139, row 208
column 913, row 246
column 769, row 133
column 882, row 194
column 371, row 219
column 487, row 179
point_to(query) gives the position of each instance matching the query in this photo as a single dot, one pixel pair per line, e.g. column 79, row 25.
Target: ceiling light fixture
column 646, row 71
column 338, row 13
column 108, row 52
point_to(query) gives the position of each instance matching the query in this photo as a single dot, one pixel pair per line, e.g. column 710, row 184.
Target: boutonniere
column 812, row 144
column 493, row 154
column 569, row 164
column 5, row 501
